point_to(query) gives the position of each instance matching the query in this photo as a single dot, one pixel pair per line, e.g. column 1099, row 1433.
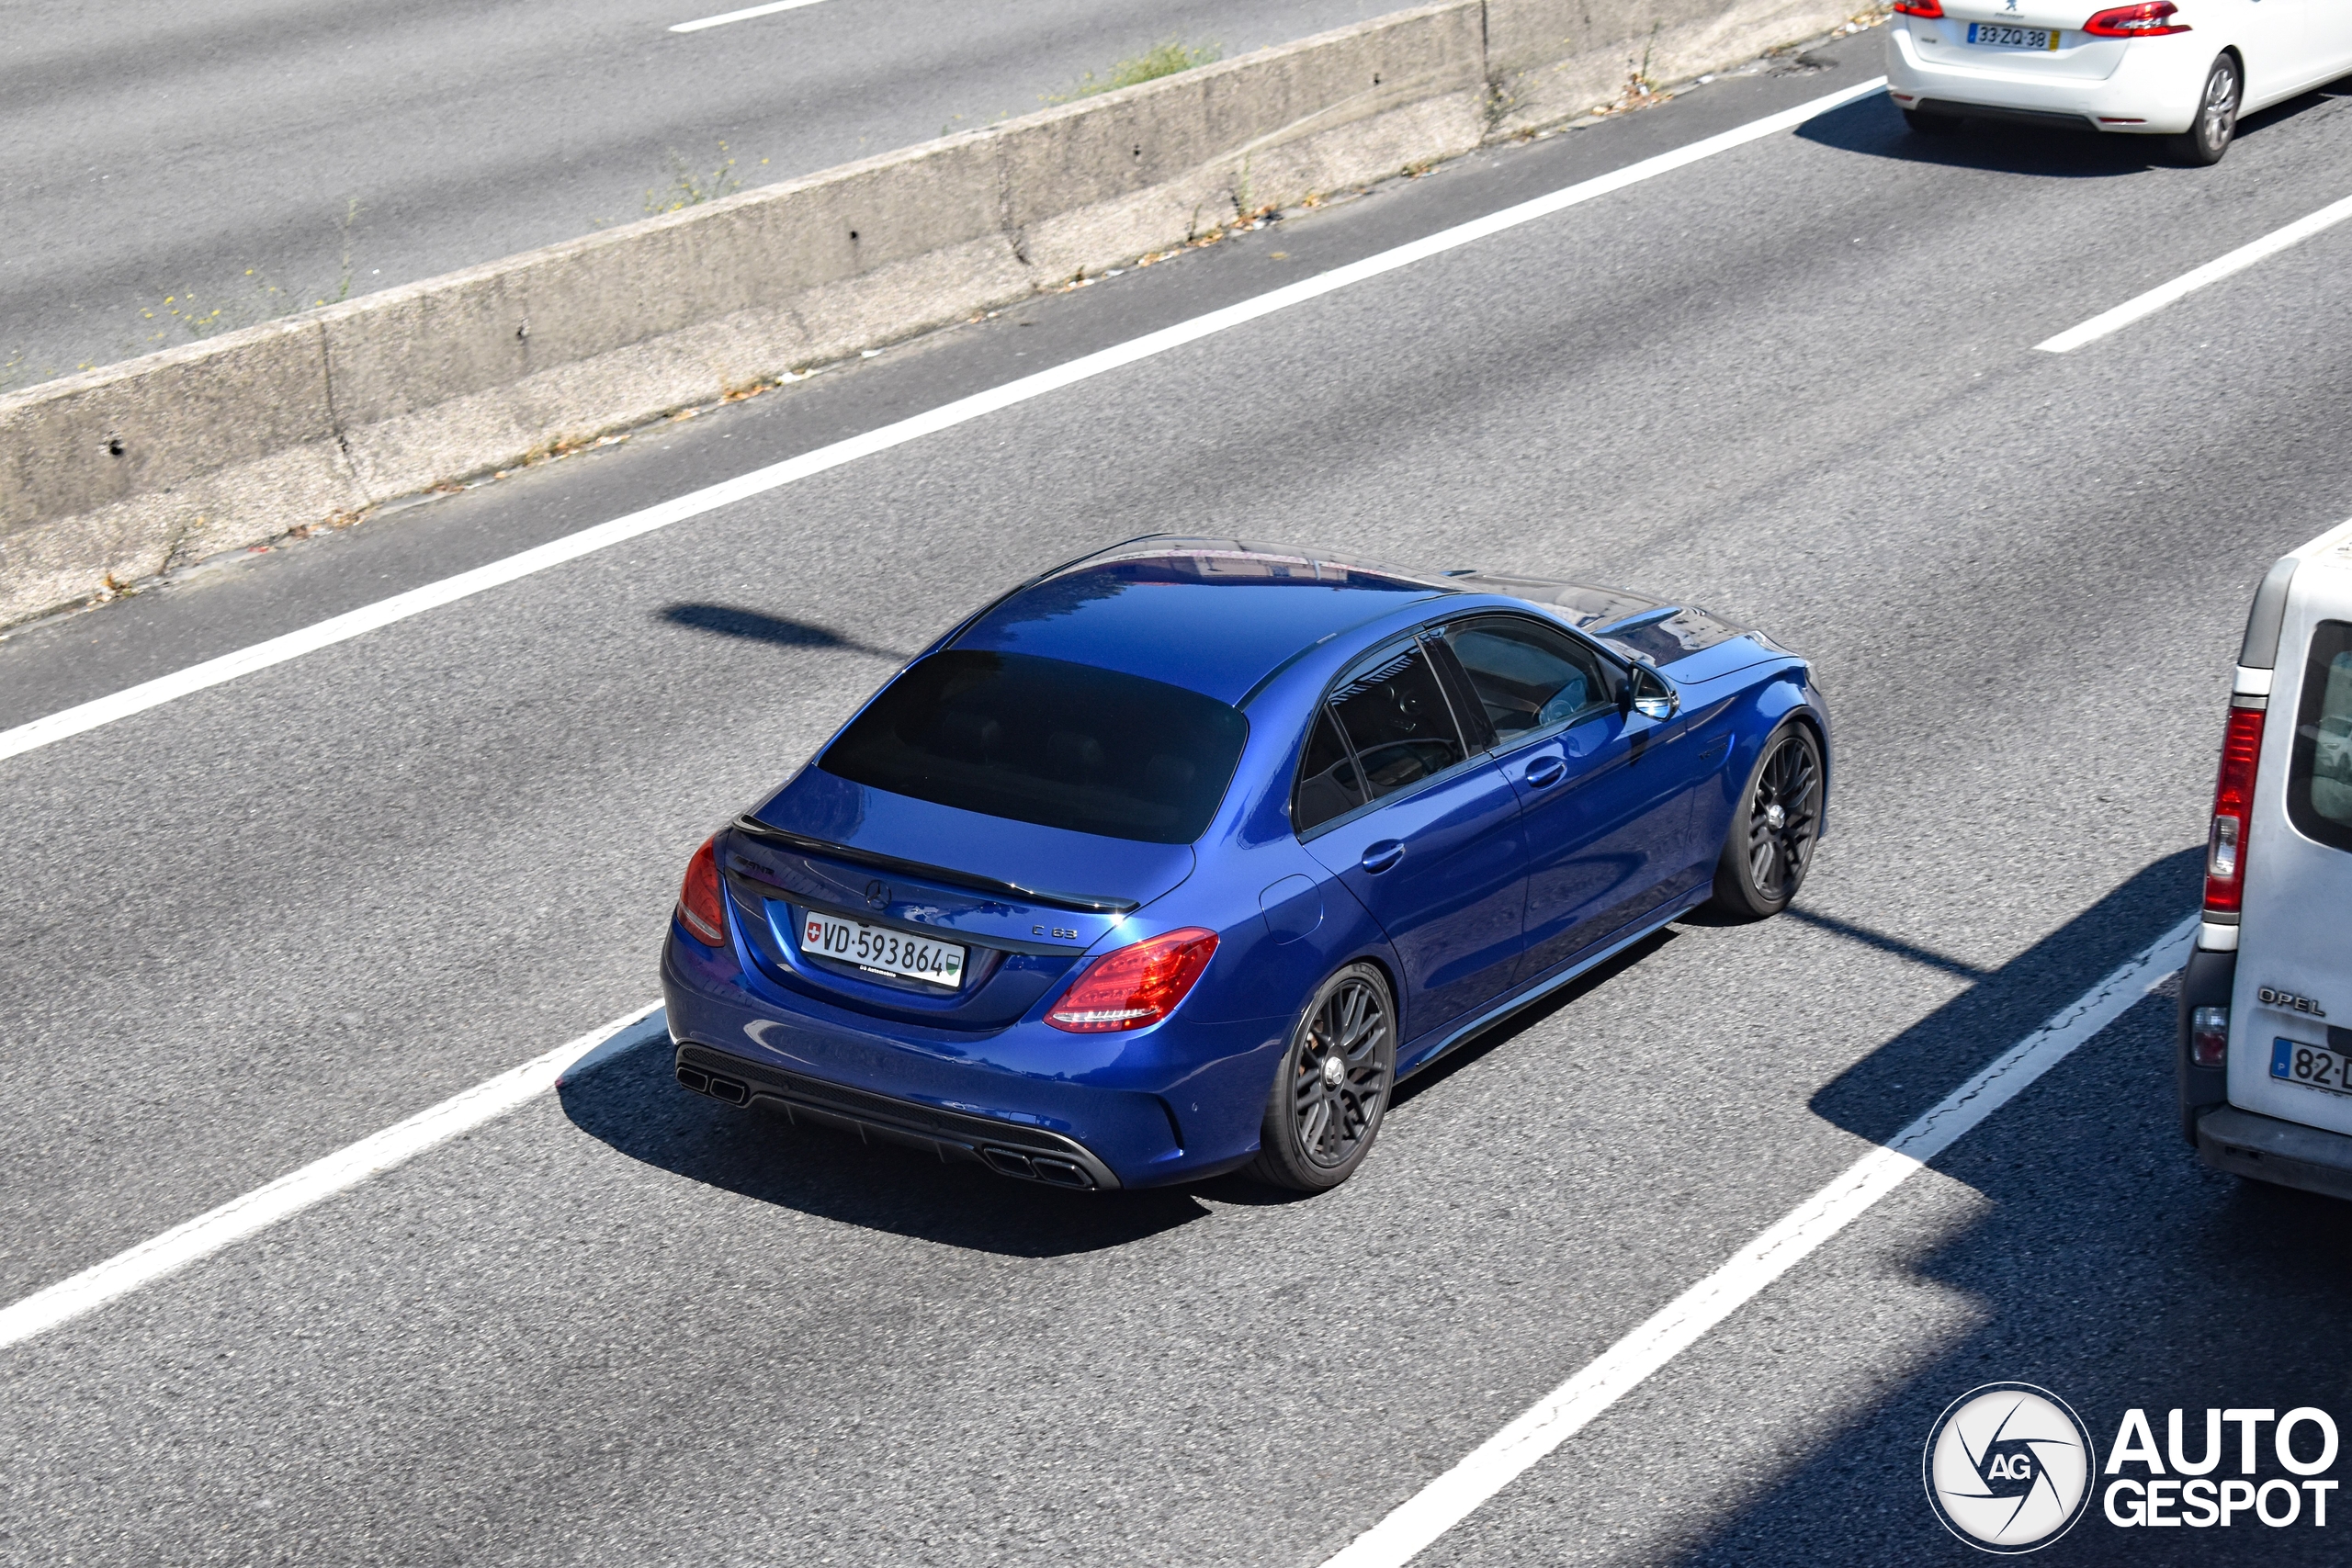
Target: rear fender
column 2205, row 982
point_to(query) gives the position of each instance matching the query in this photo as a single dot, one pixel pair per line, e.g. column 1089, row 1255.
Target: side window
column 1477, row 730
column 1397, row 720
column 1527, row 676
column 1328, row 785
column 2319, row 780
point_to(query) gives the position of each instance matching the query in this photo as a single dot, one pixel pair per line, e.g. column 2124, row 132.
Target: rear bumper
column 1175, row 1103
column 2153, row 89
column 2268, row 1149
column 1032, row 1153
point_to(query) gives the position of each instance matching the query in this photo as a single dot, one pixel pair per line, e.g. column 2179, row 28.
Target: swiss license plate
column 880, row 948
column 2321, row 1068
column 1993, row 35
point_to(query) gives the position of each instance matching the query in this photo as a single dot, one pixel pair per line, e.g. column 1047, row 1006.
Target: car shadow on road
column 631, row 1103
column 1880, row 1095
column 1874, row 127
column 2073, row 1242
column 758, row 626
column 1466, row 1057
column 2100, row 1262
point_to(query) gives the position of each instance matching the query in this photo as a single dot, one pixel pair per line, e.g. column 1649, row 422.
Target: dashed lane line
column 1438, row 1506
column 67, row 722
column 742, row 15
column 1683, row 1322
column 2189, row 283
column 290, row 1194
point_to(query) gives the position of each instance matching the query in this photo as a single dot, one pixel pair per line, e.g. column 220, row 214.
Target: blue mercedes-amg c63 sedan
column 1179, row 858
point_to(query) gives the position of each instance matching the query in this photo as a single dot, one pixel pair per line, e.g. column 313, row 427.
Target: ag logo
column 2009, row 1468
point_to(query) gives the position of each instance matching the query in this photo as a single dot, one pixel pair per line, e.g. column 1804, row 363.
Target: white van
column 2266, row 1002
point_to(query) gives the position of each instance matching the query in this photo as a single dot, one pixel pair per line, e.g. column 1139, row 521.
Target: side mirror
column 1650, row 694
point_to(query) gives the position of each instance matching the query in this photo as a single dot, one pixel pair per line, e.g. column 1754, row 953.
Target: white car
column 2186, row 70
column 2266, row 1002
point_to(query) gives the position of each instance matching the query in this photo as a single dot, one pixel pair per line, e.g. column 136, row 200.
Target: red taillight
column 1920, row 7
column 2233, row 810
column 2209, row 1037
column 1135, row 986
column 701, row 908
column 2153, row 20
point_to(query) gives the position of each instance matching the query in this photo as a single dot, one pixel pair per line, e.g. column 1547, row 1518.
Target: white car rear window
column 2319, row 784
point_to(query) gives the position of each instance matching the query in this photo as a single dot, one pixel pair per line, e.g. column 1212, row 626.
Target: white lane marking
column 1576, row 1403
column 104, row 710
column 2187, row 283
column 290, row 1194
column 743, row 16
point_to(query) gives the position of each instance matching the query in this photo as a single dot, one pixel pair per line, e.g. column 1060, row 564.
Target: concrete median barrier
column 119, row 474
column 121, row 471
column 1553, row 59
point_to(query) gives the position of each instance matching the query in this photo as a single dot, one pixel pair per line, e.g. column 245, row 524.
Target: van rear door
column 2290, row 1053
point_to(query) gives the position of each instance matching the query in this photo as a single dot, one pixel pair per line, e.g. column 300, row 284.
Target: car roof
column 1219, row 615
column 1215, row 615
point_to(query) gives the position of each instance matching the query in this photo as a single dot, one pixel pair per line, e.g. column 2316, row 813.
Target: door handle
column 1383, row 855
column 1546, row 771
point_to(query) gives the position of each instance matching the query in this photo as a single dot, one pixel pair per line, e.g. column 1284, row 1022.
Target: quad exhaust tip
column 1026, row 1167
column 731, row 1090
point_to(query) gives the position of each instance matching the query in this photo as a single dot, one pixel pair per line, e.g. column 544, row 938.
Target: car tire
column 2217, row 116
column 1929, row 124
column 1773, row 827
column 1321, row 1119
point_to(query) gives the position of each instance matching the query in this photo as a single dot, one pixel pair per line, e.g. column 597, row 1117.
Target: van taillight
column 2233, row 810
column 2209, row 1037
column 1920, row 7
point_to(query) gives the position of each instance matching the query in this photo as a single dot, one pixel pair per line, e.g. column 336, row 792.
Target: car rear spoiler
column 801, row 843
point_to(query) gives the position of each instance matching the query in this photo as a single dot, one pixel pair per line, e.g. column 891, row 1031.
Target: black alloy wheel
column 1769, row 847
column 1333, row 1084
column 2217, row 115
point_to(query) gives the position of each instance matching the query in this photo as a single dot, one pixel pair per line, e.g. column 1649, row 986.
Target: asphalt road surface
column 627, row 1325
column 159, row 164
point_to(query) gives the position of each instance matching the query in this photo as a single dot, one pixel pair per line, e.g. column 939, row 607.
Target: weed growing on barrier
column 263, row 302
column 690, row 188
column 1165, row 58
column 1502, row 97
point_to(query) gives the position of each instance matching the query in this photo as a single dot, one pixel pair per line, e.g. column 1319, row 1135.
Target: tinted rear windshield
column 2319, row 780
column 1046, row 741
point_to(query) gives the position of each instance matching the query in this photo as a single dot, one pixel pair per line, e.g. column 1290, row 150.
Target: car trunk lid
column 1025, row 901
